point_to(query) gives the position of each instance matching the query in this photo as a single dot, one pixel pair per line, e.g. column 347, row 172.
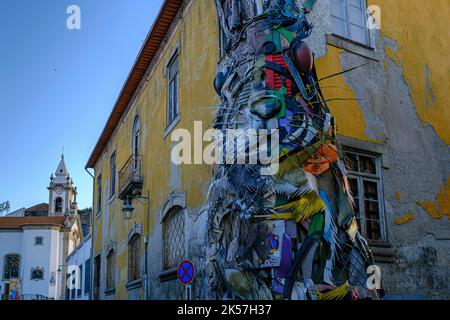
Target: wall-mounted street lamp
column 128, row 207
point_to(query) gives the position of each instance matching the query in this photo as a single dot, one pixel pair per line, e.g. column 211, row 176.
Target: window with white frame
column 366, row 187
column 172, row 99
column 173, row 237
column 136, row 144
column 112, row 167
column 136, row 136
column 349, row 20
column 99, row 194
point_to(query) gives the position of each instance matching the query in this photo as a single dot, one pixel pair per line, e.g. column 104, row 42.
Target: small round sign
column 186, row 272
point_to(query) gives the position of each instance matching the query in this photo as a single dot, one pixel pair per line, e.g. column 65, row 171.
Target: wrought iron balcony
column 130, row 178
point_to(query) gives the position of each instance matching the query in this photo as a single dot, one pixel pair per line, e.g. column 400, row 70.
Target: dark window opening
column 37, row 274
column 97, row 266
column 110, row 270
column 172, row 103
column 58, row 205
column 87, row 276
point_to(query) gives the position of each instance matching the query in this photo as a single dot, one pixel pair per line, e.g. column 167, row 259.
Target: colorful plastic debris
column 292, row 235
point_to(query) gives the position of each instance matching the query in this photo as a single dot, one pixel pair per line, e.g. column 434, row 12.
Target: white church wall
column 55, row 263
column 61, row 263
column 39, row 256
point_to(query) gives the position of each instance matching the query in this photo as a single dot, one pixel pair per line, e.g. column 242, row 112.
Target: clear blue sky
column 58, row 86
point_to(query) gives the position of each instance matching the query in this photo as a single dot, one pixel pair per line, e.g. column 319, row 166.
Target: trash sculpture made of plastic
column 292, row 235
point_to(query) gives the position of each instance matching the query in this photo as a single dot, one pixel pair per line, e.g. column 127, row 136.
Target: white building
column 79, row 271
column 35, row 243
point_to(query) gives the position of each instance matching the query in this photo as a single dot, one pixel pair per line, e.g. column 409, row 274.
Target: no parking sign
column 186, row 272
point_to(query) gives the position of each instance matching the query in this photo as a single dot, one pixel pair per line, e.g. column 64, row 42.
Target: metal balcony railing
column 130, row 178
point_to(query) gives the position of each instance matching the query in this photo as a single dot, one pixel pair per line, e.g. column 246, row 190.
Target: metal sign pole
column 188, row 292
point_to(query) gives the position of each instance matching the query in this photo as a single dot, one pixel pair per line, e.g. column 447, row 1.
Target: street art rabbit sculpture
column 292, row 234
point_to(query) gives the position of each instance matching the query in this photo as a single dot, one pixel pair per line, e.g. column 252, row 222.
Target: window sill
column 109, row 292
column 168, row 275
column 130, row 285
column 382, row 251
column 353, row 47
column 171, row 126
column 379, row 148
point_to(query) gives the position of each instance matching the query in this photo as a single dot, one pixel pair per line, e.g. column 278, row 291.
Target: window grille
column 173, row 235
column 134, row 258
column 11, row 267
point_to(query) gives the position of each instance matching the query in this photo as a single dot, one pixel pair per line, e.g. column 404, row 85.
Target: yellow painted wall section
column 440, row 207
column 408, row 217
column 199, row 99
column 197, row 38
column 420, row 28
column 348, row 114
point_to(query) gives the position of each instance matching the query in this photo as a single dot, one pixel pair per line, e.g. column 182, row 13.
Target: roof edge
column 152, row 43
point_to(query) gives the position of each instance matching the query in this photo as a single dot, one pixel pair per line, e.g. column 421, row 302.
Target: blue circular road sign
column 186, row 272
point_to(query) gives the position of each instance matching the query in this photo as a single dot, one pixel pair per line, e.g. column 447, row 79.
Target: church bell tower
column 62, row 192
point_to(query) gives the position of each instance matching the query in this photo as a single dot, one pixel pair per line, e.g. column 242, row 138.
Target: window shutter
column 356, row 10
column 348, row 19
column 338, row 18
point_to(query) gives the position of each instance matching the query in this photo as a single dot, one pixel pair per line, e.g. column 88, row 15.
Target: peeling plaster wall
column 402, row 106
column 421, row 32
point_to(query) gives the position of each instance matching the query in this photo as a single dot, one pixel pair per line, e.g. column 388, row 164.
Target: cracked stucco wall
column 401, row 104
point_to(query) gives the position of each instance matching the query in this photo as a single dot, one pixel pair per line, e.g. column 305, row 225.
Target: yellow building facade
column 392, row 111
